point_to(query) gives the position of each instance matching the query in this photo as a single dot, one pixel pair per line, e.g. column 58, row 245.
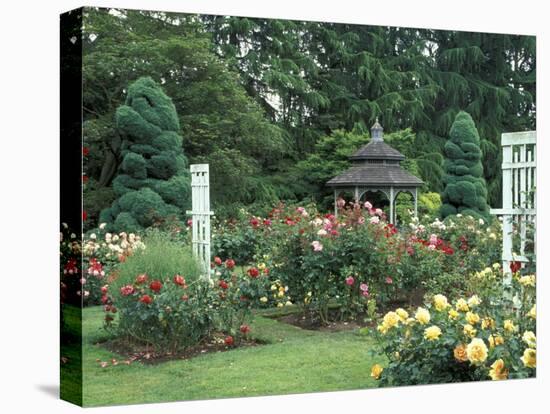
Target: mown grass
column 293, row 360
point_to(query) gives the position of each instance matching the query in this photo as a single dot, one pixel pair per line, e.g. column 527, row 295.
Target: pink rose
column 317, row 246
column 389, row 280
column 350, row 280
column 364, row 287
column 368, row 205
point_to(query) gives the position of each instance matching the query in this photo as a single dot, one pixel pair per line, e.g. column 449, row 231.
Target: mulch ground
column 136, row 352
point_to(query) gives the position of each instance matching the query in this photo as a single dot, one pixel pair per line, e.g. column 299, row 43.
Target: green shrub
column 153, row 180
column 465, row 189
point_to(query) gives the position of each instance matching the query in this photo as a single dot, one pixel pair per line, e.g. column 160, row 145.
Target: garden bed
column 136, row 352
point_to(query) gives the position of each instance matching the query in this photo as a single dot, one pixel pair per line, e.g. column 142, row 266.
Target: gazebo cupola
column 376, row 167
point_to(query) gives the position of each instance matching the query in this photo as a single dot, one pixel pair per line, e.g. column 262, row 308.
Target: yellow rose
column 453, row 314
column 530, row 339
column 263, row 299
column 533, row 312
column 432, row 333
column 402, row 313
column 509, row 325
column 460, row 353
column 422, row 315
column 376, row 371
column 472, row 318
column 498, row 371
column 409, row 321
column 528, row 280
column 469, row 330
column 496, row 266
column 288, row 303
column 488, row 323
column 495, row 340
column 391, row 319
column 383, row 329
column 474, row 301
column 261, row 266
column 273, row 287
column 477, row 351
column 280, row 305
column 281, row 293
column 529, row 358
column 462, row 305
column 440, row 302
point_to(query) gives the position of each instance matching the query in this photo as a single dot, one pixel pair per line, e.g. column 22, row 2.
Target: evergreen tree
column 465, row 189
column 153, row 181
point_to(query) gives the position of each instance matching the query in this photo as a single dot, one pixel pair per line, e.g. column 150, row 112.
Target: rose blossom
column 317, row 246
column 253, row 272
column 155, row 286
column 141, row 279
column 146, row 299
column 374, row 220
column 322, row 232
column 230, row 263
column 389, row 280
column 350, row 280
column 364, row 287
column 368, row 205
column 126, row 290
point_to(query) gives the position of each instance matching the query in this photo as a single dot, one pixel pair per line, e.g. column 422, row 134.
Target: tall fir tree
column 465, row 189
column 153, row 182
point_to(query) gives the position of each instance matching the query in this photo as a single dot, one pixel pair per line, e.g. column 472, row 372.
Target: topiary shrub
column 465, row 188
column 153, row 181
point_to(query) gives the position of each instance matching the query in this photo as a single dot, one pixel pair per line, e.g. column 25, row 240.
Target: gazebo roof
column 377, row 150
column 375, row 175
column 376, row 165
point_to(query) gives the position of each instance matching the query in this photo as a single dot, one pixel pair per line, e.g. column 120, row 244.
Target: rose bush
column 489, row 335
column 159, row 298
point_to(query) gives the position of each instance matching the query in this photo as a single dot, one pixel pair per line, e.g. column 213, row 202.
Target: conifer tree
column 465, row 189
column 153, row 182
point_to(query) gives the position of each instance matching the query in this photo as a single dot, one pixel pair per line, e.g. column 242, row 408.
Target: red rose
column 104, row 289
column 218, row 261
column 141, row 279
column 179, row 280
column 267, row 222
column 266, row 271
column 84, row 216
column 223, row 284
column 155, row 286
column 244, row 329
column 104, row 299
column 253, row 272
column 146, row 299
column 515, row 267
column 230, row 263
column 84, row 179
column 85, row 151
column 229, row 340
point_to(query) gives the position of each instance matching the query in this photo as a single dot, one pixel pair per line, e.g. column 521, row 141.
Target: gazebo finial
column 377, row 132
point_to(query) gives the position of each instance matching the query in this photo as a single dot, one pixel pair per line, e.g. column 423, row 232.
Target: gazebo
column 376, row 167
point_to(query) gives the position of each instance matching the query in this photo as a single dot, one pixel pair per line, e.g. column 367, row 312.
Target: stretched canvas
column 257, row 206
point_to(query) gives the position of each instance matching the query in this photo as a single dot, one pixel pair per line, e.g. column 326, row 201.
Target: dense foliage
column 255, row 96
column 465, row 190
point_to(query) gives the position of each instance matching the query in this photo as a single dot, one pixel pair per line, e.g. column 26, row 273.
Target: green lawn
column 292, row 361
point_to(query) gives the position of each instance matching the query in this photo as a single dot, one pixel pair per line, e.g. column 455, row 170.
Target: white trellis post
column 518, row 210
column 200, row 193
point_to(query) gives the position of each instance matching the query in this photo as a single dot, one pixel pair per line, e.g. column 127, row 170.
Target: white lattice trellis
column 200, row 193
column 518, row 210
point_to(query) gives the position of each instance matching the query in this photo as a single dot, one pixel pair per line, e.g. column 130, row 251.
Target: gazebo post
column 356, row 194
column 391, row 204
column 335, row 204
column 416, row 202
